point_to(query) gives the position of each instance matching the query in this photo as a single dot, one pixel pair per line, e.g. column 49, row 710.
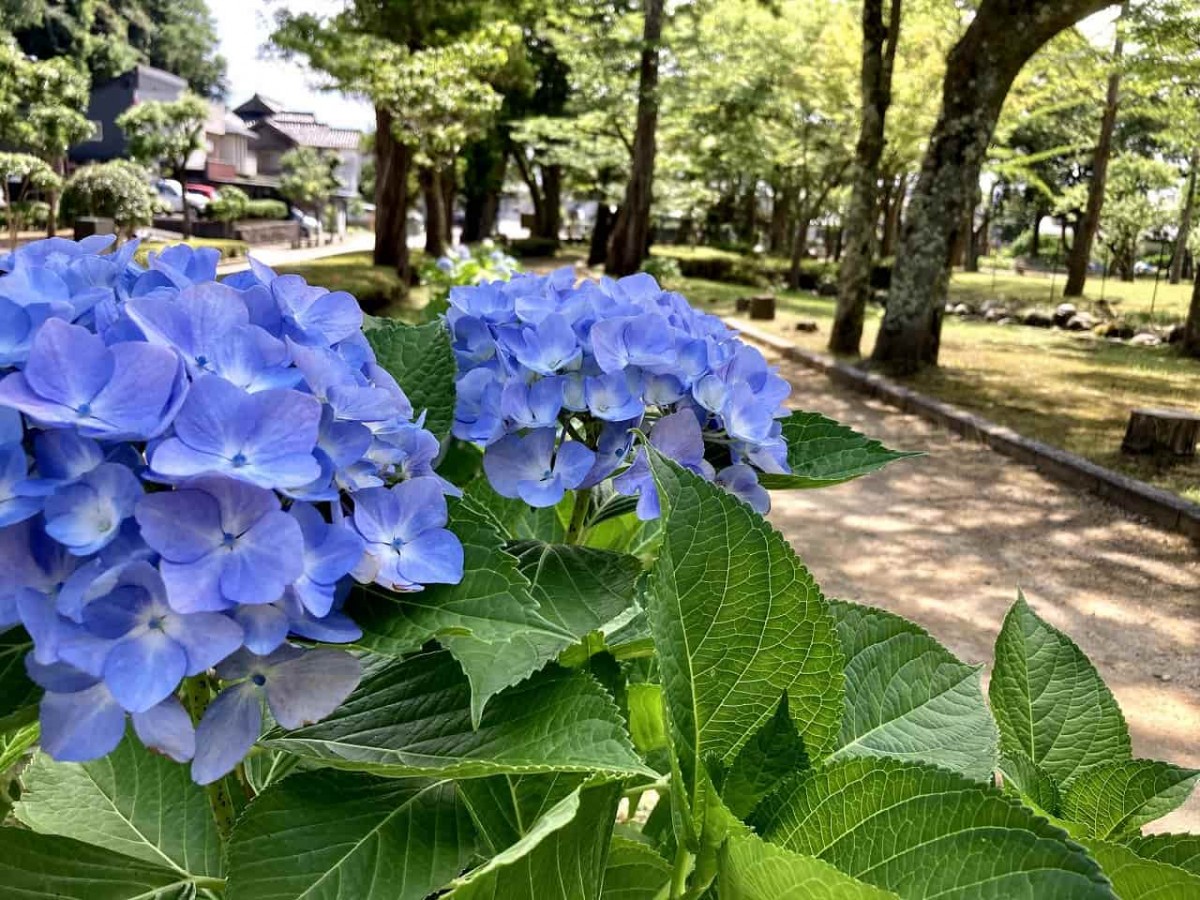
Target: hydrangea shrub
column 487, row 608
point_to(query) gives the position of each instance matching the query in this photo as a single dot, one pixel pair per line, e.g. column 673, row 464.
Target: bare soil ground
column 947, row 539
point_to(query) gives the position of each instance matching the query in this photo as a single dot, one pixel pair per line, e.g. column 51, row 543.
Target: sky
column 243, row 27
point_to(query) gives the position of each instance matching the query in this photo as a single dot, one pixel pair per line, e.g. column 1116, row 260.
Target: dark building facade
column 109, row 100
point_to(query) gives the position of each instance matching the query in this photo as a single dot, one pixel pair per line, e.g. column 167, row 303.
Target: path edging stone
column 1161, row 507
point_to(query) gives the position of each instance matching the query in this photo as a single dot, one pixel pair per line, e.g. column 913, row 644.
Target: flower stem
column 680, row 872
column 583, row 502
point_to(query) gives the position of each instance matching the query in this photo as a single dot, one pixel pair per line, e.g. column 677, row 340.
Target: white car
column 171, row 193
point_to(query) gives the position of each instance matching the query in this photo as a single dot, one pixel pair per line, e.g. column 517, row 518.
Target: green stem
column 203, row 882
column 680, row 872
column 583, row 501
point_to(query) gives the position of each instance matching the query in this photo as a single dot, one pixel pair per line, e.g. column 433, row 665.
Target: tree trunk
column 435, row 210
column 854, row 280
column 181, row 175
column 486, row 162
column 448, row 189
column 52, row 198
column 550, row 221
column 980, row 70
column 891, row 225
column 799, row 245
column 13, row 230
column 971, row 244
column 781, row 213
column 1185, row 220
column 393, row 160
column 630, row 236
column 600, row 234
column 1081, row 253
column 1191, row 328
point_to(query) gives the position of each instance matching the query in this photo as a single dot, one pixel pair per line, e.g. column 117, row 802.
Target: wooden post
column 762, row 307
column 1166, row 432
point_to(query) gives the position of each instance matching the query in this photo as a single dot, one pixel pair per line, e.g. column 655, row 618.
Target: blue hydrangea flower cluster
column 192, row 472
column 556, row 375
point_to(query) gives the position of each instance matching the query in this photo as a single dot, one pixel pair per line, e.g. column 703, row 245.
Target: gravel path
column 947, row 539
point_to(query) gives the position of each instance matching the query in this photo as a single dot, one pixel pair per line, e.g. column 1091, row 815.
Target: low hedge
column 266, row 209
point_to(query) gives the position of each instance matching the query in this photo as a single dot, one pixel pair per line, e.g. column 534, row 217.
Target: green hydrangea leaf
column 421, row 359
column 131, row 802
column 754, row 869
column 1136, row 878
column 516, row 519
column 922, row 831
column 822, row 453
column 775, row 752
column 413, row 717
column 635, row 871
column 328, row 835
column 579, row 589
column 490, row 621
column 737, row 621
column 1182, row 850
column 1030, row 782
column 506, row 807
column 48, row 867
column 562, row 855
column 908, row 697
column 17, row 693
column 1115, row 799
column 1049, row 701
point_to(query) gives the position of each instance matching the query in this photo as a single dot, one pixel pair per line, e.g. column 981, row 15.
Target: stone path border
column 1163, row 508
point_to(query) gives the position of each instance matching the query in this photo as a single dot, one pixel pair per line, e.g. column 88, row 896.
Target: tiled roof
column 306, row 131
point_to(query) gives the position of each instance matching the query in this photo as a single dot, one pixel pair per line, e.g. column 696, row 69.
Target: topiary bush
column 266, row 209
column 231, row 205
column 118, row 190
column 539, row 523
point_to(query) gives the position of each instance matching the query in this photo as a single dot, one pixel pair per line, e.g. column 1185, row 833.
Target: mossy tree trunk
column 854, row 281
column 1081, row 252
column 631, row 232
column 980, row 70
column 1191, row 328
column 393, row 162
column 1185, row 220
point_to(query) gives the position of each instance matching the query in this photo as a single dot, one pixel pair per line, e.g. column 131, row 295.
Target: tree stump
column 1164, row 432
column 743, row 304
column 762, row 307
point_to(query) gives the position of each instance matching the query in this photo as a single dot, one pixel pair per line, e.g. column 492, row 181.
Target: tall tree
column 163, row 134
column 43, row 112
column 426, row 68
column 108, row 37
column 631, row 233
column 981, row 68
column 854, row 283
column 309, row 179
column 1085, row 236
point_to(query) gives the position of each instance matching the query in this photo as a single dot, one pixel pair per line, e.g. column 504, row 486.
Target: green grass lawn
column 1069, row 390
column 1133, row 299
column 229, row 249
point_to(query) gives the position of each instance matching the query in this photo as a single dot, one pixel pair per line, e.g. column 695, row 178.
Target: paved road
column 947, row 539
column 281, row 256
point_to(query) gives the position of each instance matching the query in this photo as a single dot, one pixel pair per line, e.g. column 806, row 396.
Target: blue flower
column 742, row 481
column 645, row 340
column 193, row 322
column 298, row 686
column 407, row 544
column 547, row 348
column 148, row 647
column 330, row 553
column 14, row 466
column 477, row 410
column 313, row 315
column 534, row 405
column 522, row 467
column 614, row 396
column 266, row 438
column 223, row 542
column 85, row 516
column 129, row 391
column 676, row 436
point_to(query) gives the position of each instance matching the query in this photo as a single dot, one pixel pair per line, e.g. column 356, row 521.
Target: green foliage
column 309, row 177
column 44, row 105
column 118, row 190
column 231, row 205
column 266, row 209
column 798, row 747
column 163, row 134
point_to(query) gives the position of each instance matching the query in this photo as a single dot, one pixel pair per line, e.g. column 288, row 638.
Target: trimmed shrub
column 266, row 209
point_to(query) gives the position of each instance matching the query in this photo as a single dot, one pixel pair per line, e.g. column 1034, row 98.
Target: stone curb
column 1163, row 508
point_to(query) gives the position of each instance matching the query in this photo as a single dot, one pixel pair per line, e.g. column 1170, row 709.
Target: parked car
column 206, row 189
column 308, row 224
column 1144, row 268
column 171, row 193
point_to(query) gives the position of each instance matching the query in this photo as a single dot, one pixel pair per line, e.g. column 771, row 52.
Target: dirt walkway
column 946, row 540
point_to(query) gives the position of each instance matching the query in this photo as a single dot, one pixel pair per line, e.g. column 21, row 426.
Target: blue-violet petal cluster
column 556, row 375
column 192, row 473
